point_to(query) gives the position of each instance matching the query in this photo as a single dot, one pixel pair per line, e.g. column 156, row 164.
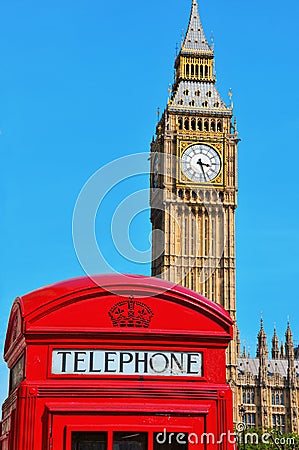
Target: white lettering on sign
column 117, row 362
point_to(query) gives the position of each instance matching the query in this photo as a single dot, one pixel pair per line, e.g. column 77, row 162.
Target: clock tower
column 194, row 181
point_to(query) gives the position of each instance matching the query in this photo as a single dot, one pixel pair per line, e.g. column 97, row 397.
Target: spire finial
column 158, row 113
column 212, row 40
column 275, row 344
column 289, row 331
column 230, row 94
column 262, row 347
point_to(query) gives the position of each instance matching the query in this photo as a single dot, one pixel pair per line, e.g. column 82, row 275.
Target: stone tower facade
column 194, row 181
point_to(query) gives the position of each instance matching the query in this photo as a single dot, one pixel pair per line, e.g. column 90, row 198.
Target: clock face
column 201, row 163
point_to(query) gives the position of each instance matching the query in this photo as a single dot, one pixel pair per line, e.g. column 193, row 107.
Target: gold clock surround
column 182, row 179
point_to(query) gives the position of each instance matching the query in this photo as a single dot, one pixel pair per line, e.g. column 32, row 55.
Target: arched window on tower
column 206, row 71
column 219, row 126
column 207, row 236
column 201, row 71
column 192, row 281
column 196, row 70
column 187, row 70
column 193, row 234
column 206, row 126
column 180, row 123
column 193, row 123
column 199, row 124
column 213, row 287
column 213, row 237
column 213, row 125
column 206, row 284
column 185, row 237
column 192, row 70
column 186, row 124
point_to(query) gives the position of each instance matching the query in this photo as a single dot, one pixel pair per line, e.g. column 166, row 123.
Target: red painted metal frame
column 44, row 408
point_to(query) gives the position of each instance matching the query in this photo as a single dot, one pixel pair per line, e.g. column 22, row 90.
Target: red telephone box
column 117, row 363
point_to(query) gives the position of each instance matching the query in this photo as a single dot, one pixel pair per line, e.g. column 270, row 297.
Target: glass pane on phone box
column 129, row 440
column 170, row 441
column 89, row 441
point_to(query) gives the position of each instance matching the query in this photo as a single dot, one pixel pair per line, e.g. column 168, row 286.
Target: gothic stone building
column 266, row 386
column 193, row 204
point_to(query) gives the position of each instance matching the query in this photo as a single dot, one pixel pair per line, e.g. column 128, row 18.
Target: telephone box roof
column 135, row 285
column 83, row 305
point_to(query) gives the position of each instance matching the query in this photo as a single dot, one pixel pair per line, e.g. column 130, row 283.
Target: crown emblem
column 131, row 313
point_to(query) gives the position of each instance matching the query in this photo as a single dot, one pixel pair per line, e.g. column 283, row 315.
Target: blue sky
column 80, row 83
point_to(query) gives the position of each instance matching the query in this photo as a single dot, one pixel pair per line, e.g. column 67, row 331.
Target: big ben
column 194, row 181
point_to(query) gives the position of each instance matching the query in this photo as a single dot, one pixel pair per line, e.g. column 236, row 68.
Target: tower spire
column 196, row 122
column 262, row 347
column 289, row 334
column 275, row 345
column 195, row 40
column 289, row 345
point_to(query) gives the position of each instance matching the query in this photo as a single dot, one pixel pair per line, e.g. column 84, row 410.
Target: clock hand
column 201, row 166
